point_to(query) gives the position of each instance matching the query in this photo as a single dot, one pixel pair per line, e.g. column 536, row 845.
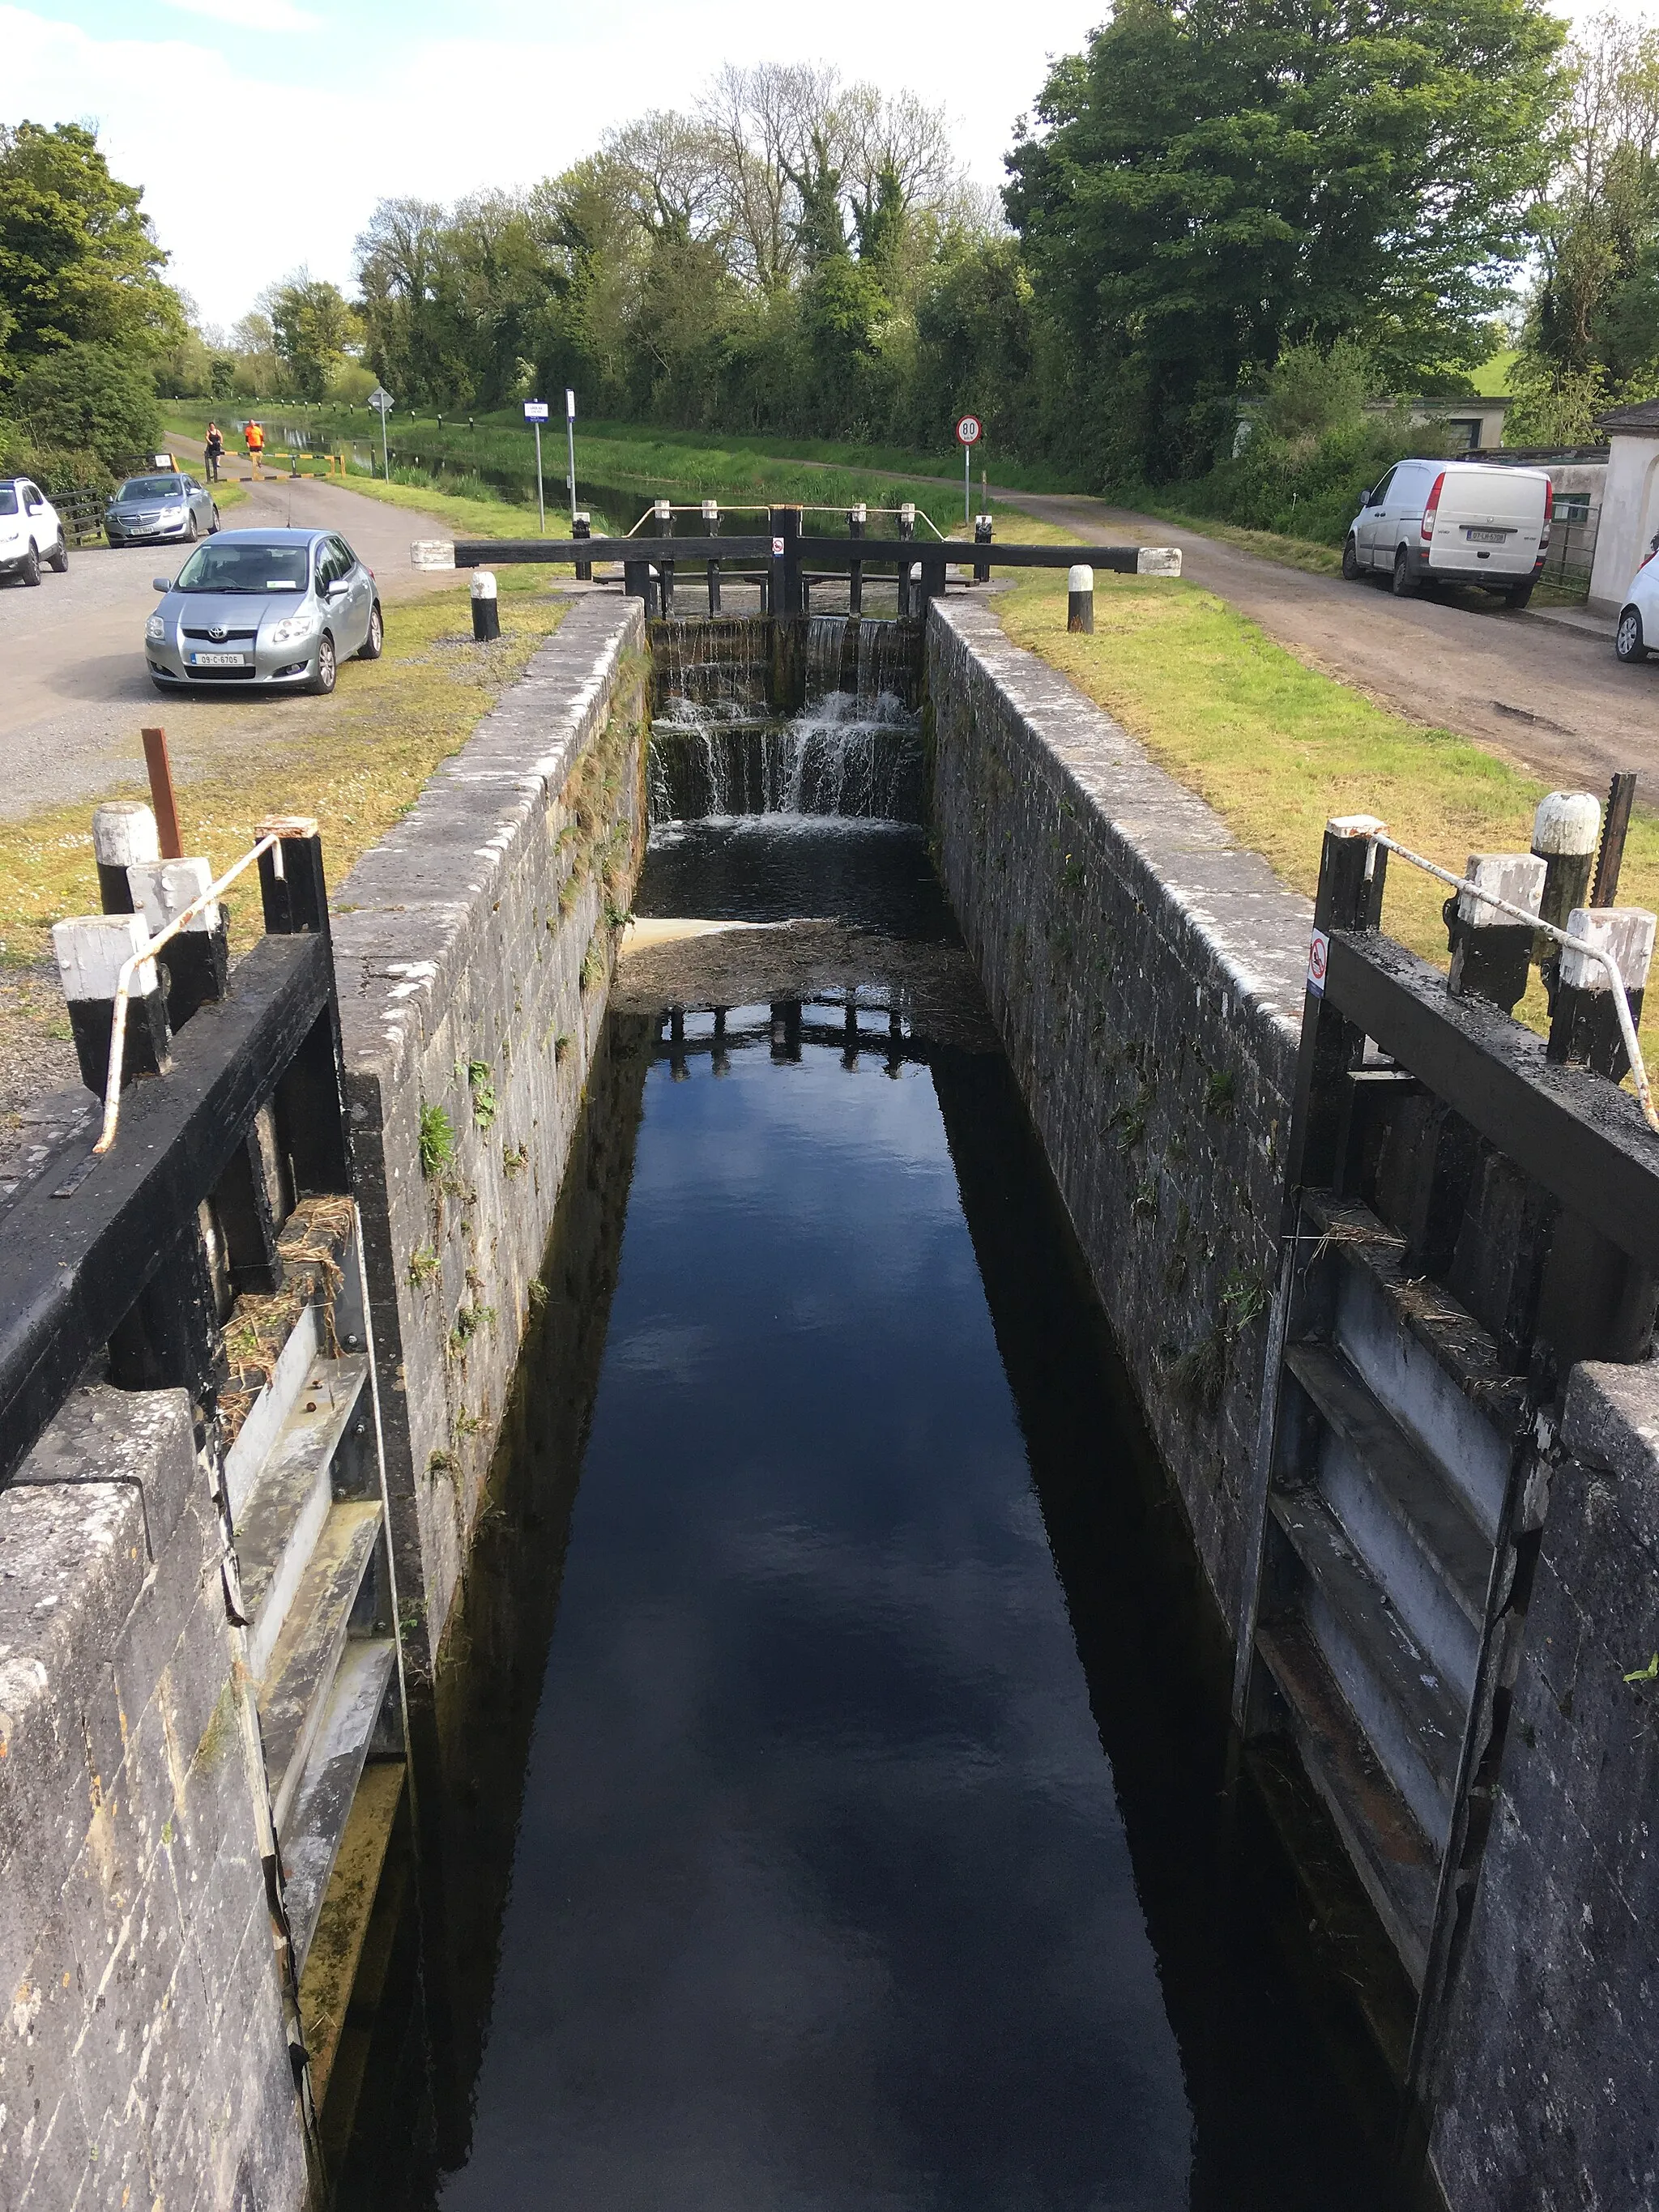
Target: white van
column 1454, row 522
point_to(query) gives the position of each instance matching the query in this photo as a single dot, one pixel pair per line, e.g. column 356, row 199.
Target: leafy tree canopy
column 1214, row 180
column 90, row 399
column 79, row 263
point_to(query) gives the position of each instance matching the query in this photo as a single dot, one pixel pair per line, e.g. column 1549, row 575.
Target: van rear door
column 1489, row 521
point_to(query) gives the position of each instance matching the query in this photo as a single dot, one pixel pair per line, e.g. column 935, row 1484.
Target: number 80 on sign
column 968, row 429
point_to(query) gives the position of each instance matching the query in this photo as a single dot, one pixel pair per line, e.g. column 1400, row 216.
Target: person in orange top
column 254, row 439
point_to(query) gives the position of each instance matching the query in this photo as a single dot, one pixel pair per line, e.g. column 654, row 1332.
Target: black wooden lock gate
column 136, row 1254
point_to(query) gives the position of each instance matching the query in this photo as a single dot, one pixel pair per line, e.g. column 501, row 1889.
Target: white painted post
column 124, row 836
column 486, row 610
column 91, row 952
column 1080, row 599
column 1564, row 830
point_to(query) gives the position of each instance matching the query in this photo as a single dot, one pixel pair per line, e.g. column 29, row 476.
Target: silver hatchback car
column 145, row 510
column 276, row 608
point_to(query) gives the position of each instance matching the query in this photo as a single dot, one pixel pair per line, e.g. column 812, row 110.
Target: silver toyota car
column 277, row 608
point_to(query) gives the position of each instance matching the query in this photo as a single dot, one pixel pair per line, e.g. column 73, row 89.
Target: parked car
column 276, row 608
column 30, row 533
column 1454, row 522
column 1639, row 619
column 146, row 509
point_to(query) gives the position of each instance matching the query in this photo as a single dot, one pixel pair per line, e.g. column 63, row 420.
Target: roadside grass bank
column 357, row 762
column 1278, row 749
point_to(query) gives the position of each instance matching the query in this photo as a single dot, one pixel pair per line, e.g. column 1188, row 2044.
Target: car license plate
column 1485, row 537
column 218, row 660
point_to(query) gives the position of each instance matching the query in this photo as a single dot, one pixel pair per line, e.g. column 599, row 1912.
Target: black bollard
column 486, row 613
column 581, row 526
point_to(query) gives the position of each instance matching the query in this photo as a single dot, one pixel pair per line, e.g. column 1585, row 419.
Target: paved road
column 73, row 690
column 1551, row 698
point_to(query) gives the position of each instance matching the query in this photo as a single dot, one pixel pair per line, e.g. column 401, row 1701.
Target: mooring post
column 636, row 583
column 1491, row 952
column 1564, row 834
column 711, row 528
column 91, row 950
column 486, row 610
column 982, row 537
column 907, row 530
column 1079, row 598
column 664, row 517
column 124, row 836
column 581, row 526
column 1585, row 1025
column 856, row 521
column 197, row 964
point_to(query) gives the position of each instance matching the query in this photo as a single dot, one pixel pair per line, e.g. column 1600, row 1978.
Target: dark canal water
column 833, row 1808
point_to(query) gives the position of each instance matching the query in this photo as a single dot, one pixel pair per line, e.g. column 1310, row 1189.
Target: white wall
column 1630, row 516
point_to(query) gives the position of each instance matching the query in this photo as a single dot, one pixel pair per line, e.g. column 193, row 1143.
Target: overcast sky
column 263, row 132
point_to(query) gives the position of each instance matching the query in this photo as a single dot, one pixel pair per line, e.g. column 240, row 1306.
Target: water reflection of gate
column 855, row 1023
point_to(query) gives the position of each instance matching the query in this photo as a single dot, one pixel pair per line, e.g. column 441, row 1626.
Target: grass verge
column 1277, row 748
column 357, row 761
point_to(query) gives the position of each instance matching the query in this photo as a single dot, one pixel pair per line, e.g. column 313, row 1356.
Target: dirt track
column 1552, row 699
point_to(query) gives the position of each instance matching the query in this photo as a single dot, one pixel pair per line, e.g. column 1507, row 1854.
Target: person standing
column 213, row 450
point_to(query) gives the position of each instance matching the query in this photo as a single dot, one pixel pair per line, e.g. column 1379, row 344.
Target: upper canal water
column 837, row 1809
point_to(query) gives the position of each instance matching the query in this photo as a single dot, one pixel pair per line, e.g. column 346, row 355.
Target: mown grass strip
column 1278, row 749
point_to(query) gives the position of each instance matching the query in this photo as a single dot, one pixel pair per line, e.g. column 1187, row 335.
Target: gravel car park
column 269, row 609
column 148, row 510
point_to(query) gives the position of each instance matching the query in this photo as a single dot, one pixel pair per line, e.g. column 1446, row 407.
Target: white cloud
column 252, row 14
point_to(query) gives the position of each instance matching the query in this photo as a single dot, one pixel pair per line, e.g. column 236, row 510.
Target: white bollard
column 1080, row 599
column 1564, row 831
column 486, row 611
column 124, row 836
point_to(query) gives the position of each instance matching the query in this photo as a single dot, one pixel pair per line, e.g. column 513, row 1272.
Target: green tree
column 313, row 327
column 79, row 263
column 88, row 398
column 1213, row 180
column 1592, row 328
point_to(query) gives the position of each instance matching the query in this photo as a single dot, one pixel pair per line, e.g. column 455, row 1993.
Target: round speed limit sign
column 968, row 429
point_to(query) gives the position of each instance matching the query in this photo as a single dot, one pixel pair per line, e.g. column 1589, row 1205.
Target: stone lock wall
column 474, row 947
column 142, row 2057
column 1548, row 2088
column 1146, row 975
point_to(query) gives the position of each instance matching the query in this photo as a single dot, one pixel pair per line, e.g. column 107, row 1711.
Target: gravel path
column 73, row 690
column 1549, row 697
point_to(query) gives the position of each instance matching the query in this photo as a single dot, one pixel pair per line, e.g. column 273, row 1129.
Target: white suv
column 30, row 531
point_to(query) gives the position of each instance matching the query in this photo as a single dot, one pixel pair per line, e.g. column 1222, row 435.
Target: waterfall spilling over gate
column 814, row 715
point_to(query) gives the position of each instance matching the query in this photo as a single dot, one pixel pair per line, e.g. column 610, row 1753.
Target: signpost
column 383, row 402
column 570, row 433
column 968, row 431
column 535, row 410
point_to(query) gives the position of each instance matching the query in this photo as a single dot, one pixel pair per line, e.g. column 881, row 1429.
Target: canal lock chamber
column 828, row 1795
